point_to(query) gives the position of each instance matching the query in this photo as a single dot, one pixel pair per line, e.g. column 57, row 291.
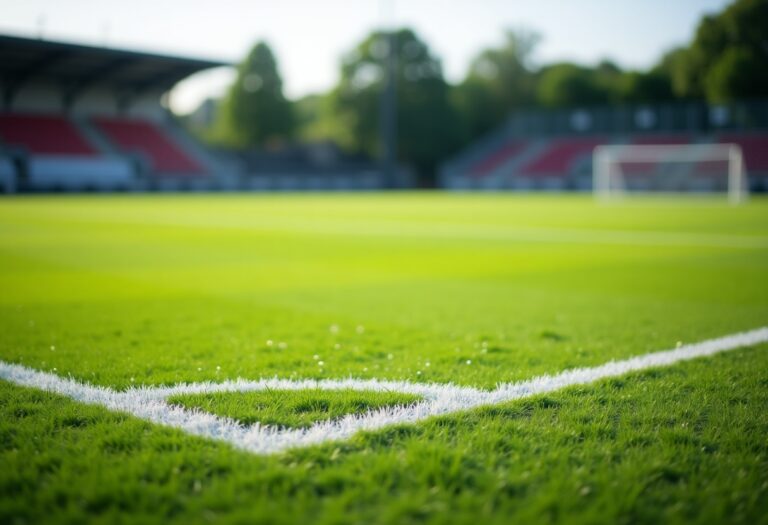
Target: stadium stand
column 310, row 166
column 753, row 146
column 78, row 118
column 560, row 157
column 507, row 151
column 553, row 150
column 152, row 142
column 43, row 134
column 7, row 175
column 635, row 169
column 57, row 156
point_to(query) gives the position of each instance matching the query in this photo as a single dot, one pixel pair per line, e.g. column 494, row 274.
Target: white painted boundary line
column 150, row 403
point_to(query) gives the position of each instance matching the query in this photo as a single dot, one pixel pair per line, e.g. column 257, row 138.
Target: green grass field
column 124, row 291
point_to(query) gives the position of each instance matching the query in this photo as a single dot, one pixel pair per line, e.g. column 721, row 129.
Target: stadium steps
column 150, row 141
column 226, row 172
column 562, row 162
column 502, row 175
column 491, row 163
column 508, row 172
column 560, row 157
column 92, row 135
column 455, row 172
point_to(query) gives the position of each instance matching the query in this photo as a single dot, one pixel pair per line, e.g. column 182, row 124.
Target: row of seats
column 559, row 158
column 507, row 151
column 144, row 137
column 58, row 136
column 44, row 135
column 753, row 147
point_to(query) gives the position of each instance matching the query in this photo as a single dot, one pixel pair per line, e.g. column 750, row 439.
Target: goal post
column 690, row 168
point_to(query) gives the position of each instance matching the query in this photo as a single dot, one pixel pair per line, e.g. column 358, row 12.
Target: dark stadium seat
column 150, row 140
column 43, row 135
column 498, row 157
column 558, row 158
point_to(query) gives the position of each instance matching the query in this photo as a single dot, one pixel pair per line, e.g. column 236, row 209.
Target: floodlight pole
column 388, row 109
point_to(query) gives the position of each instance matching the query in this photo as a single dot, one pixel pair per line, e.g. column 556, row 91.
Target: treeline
column 727, row 60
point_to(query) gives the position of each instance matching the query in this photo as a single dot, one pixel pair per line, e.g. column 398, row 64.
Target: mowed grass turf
column 291, row 409
column 469, row 289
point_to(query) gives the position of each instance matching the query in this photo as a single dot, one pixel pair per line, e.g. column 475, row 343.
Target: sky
column 310, row 36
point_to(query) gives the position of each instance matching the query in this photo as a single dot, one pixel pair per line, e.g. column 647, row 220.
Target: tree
column 566, row 85
column 255, row 112
column 313, row 115
column 500, row 80
column 676, row 66
column 427, row 129
column 728, row 58
column 645, row 87
column 734, row 75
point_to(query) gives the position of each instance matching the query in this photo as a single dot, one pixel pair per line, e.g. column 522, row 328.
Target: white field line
column 150, row 403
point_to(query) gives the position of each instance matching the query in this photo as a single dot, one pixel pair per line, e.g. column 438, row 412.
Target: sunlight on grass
column 291, row 408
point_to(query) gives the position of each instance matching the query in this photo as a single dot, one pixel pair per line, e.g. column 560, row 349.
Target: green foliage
column 315, row 120
column 255, row 112
column 292, row 408
column 674, row 65
column 732, row 76
column 130, row 290
column 727, row 59
column 569, row 85
column 427, row 126
column 500, row 80
column 645, row 87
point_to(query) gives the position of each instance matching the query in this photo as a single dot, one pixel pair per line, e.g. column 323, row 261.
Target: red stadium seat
column 146, row 138
column 497, row 158
column 558, row 158
column 753, row 147
column 43, row 135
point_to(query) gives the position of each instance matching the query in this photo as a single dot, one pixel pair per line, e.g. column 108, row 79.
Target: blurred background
column 299, row 95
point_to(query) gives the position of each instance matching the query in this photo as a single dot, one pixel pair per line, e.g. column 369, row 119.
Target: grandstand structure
column 538, row 150
column 85, row 118
column 77, row 117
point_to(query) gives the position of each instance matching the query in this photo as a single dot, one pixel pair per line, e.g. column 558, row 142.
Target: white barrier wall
column 80, row 173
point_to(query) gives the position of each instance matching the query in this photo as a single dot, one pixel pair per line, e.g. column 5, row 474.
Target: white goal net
column 694, row 168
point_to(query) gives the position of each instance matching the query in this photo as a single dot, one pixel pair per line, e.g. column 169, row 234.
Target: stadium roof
column 76, row 67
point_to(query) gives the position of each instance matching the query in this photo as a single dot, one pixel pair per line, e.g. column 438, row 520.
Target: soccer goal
column 692, row 168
